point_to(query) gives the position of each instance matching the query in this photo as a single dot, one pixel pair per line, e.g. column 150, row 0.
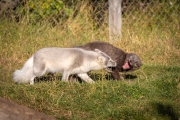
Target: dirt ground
column 13, row 111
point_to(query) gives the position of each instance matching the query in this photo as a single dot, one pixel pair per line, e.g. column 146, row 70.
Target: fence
column 93, row 14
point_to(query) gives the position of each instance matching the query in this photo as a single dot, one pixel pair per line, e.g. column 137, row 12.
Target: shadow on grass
column 75, row 78
column 47, row 78
column 51, row 77
column 130, row 77
column 166, row 110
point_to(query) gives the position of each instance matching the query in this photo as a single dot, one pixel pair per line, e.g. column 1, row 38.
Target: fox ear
column 100, row 58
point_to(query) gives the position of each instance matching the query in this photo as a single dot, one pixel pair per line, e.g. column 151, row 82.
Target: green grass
column 150, row 93
column 155, row 94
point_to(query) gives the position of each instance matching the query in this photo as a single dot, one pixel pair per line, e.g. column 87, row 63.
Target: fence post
column 115, row 20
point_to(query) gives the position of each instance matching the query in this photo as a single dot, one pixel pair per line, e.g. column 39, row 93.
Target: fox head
column 105, row 60
column 132, row 62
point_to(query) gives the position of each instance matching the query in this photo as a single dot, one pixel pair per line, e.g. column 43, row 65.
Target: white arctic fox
column 63, row 60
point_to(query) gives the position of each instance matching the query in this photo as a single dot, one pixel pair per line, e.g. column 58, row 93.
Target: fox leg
column 38, row 70
column 32, row 80
column 65, row 76
column 115, row 74
column 85, row 77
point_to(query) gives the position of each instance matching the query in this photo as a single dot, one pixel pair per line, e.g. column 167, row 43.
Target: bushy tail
column 24, row 75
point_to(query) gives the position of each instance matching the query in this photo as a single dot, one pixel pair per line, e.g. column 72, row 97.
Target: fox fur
column 63, row 60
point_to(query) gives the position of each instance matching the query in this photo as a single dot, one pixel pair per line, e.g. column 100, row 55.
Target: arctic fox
column 63, row 60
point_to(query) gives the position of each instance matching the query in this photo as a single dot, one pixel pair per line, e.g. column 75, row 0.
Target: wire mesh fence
column 147, row 12
column 92, row 15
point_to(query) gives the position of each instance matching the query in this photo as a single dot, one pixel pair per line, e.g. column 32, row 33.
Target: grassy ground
column 152, row 92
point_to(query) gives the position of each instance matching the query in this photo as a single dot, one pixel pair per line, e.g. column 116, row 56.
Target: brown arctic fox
column 125, row 61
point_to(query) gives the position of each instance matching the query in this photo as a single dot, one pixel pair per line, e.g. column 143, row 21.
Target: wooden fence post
column 115, row 20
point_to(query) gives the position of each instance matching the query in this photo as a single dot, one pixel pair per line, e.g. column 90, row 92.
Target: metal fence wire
column 94, row 13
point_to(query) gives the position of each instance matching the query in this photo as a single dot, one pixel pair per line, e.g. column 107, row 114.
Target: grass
column 156, row 96
column 152, row 92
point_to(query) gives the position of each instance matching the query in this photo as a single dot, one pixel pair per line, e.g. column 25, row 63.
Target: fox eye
column 130, row 61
